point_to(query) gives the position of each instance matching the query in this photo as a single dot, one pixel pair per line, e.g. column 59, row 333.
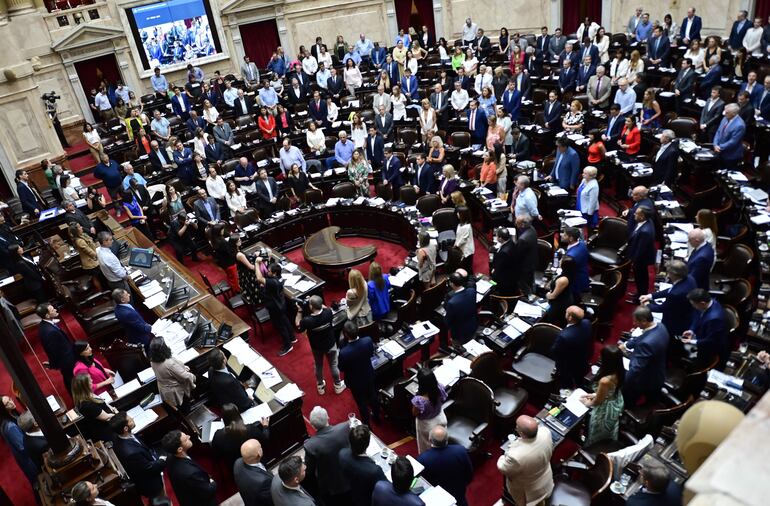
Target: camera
column 263, row 254
column 51, row 96
column 304, row 304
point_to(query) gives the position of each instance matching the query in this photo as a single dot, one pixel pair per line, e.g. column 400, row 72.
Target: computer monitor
column 140, row 257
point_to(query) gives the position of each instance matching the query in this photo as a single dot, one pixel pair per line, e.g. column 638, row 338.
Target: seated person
column 225, row 387
column 658, row 488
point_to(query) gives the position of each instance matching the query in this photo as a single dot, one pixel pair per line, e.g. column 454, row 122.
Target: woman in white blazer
column 588, row 197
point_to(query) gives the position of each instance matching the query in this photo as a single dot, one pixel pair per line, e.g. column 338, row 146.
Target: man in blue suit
column 676, row 308
column 639, row 197
column 57, row 345
column 641, row 249
column 572, row 349
column 727, row 140
column 738, row 31
column 567, row 77
column 512, row 101
column 447, row 465
column 141, row 462
column 569, row 54
column 659, row 47
column 379, row 54
column 195, row 122
column 31, row 200
column 658, row 488
column 566, row 167
column 707, row 331
column 391, row 67
column 762, row 100
column 180, row 104
column 136, row 329
column 362, row 472
column 461, row 319
column 615, row 124
column 477, row 123
column 374, row 148
column 712, row 78
column 424, row 181
column 588, row 49
column 577, row 249
column 355, row 361
column 690, row 27
column 552, row 112
column 647, row 369
column 585, row 72
column 409, row 85
column 318, row 110
column 391, row 171
column 701, row 259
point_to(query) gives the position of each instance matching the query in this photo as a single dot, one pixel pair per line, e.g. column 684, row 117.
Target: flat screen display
column 173, row 32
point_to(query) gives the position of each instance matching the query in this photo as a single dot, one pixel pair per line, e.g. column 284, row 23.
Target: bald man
column 572, row 349
column 526, row 464
column 447, row 465
column 639, row 197
column 701, row 258
column 251, row 476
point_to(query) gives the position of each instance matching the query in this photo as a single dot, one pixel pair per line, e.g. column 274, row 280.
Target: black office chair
column 509, row 400
column 346, row 190
column 428, row 204
column 407, row 195
column 469, row 411
column 605, row 249
column 582, row 484
column 533, row 362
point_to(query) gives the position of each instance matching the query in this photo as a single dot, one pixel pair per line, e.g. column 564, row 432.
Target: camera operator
column 180, row 235
column 275, row 303
column 318, row 325
column 51, row 108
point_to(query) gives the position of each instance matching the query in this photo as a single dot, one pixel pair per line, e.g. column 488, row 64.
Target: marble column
column 40, row 4
column 20, row 6
column 556, row 15
column 3, row 12
column 607, row 15
column 390, row 11
column 80, row 94
column 438, row 18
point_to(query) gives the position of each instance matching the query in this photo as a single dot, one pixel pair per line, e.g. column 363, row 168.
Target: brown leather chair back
column 540, row 337
column 460, row 139
column 346, row 190
column 445, row 219
column 384, row 191
column 544, row 254
column 613, row 233
column 313, row 196
column 428, row 204
column 684, row 127
column 486, row 368
column 407, row 195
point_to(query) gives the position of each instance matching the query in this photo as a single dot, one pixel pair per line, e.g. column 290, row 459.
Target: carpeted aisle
column 298, row 365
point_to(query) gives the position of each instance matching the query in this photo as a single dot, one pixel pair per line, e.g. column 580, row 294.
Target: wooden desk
column 324, row 252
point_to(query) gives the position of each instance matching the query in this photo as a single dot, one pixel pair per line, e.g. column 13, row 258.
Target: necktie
column 37, row 195
column 598, row 86
column 724, row 127
column 438, row 101
column 764, row 95
column 269, row 190
column 473, row 118
column 655, row 47
column 251, row 73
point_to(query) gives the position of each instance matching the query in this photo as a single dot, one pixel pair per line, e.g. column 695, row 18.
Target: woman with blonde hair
column 427, row 120
column 587, row 200
column 649, row 115
column 379, row 291
column 436, row 153
column 96, row 413
column 458, row 199
column 86, row 248
column 357, row 297
column 707, row 221
column 635, row 66
column 573, row 120
column 448, row 184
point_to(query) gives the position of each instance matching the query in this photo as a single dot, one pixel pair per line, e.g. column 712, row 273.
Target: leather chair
column 736, row 293
column 460, row 139
column 407, row 195
column 649, row 419
column 509, row 401
column 544, row 258
column 402, row 311
column 684, row 127
column 249, row 217
column 384, row 191
column 582, row 484
column 428, row 204
column 245, row 121
column 604, row 296
column 395, row 401
column 684, row 383
column 372, row 330
column 408, row 136
column 126, row 358
column 605, row 248
column 431, row 299
column 501, row 306
column 444, row 219
column 346, row 190
column 533, row 362
column 469, row 411
column 735, row 265
column 313, row 196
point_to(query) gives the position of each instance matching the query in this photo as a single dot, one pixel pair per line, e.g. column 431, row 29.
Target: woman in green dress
column 358, row 172
column 607, row 401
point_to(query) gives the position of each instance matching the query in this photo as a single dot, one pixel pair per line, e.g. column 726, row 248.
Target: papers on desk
column 105, row 396
column 678, row 236
column 187, row 355
column 290, row 279
column 760, row 219
column 291, row 267
column 332, row 201
column 250, row 228
column 437, row 496
column 142, row 417
column 6, row 281
column 556, row 191
column 304, row 285
column 527, row 310
column 496, row 203
column 573, row 404
column 423, row 329
column 402, row 277
column 127, row 388
column 483, row 286
column 447, row 374
column 359, row 201
column 476, row 348
column 737, row 176
column 270, row 377
column 722, row 380
column 146, row 376
column 684, row 227
column 340, row 170
column 149, row 289
column 256, row 413
column 516, row 327
column 378, row 201
column 213, row 427
column 576, row 221
column 668, row 204
column 53, row 403
column 288, row 393
column 155, row 301
column 756, row 195
column 392, row 349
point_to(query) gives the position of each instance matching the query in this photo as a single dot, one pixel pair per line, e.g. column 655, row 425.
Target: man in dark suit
column 746, row 113
column 424, row 180
column 192, row 485
column 684, row 84
column 641, row 250
column 556, row 44
column 296, row 93
column 584, row 74
column 519, row 146
column 391, row 67
column 57, row 344
column 675, row 308
column 286, row 488
column 391, row 171
column 658, row 488
column 447, row 465
column 267, row 194
column 322, row 457
column 362, row 472
column 466, row 82
column 711, row 114
column 567, row 77
column 482, row 44
column 701, row 258
column 572, row 349
column 439, row 100
column 690, row 28
column 31, row 200
column 740, row 26
column 707, row 331
column 512, row 101
column 35, row 443
column 477, row 123
column 74, row 215
column 664, row 163
column 214, row 151
column 647, row 369
column 577, row 249
column 409, row 85
column 639, row 197
column 142, row 464
column 374, row 148
column 225, row 387
column 335, row 84
column 206, row 209
column 533, row 63
column 243, row 105
column 569, row 54
column 504, row 266
column 526, row 253
column 318, row 110
column 460, row 318
column 251, row 476
column 711, row 78
column 659, row 47
column 383, row 122
column 194, row 122
column 552, row 112
column 615, row 123
column 522, row 82
column 542, row 43
column 566, row 166
column 136, row 329
column 355, row 361
column 180, row 104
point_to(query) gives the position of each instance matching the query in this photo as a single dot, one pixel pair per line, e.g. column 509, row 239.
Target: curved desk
column 323, row 252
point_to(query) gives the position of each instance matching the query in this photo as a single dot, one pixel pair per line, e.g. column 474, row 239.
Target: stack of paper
column 423, row 329
column 304, row 285
column 256, row 413
column 447, row 373
column 528, row 310
column 142, row 417
column 476, row 348
column 483, row 286
column 53, row 403
column 155, row 301
column 573, row 403
column 187, row 355
column 288, row 393
column 392, row 349
column 127, row 388
column 437, row 496
column 146, row 376
column 402, row 277
column 556, row 191
column 270, row 377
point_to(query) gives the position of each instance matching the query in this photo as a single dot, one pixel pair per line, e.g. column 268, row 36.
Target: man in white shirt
column 109, row 264
column 625, row 98
column 322, row 76
column 102, row 102
column 309, row 64
column 482, row 79
column 752, row 41
column 381, row 99
column 469, row 32
column 459, row 99
column 230, row 94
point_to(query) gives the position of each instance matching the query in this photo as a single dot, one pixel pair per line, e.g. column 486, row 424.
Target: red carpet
column 298, row 365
